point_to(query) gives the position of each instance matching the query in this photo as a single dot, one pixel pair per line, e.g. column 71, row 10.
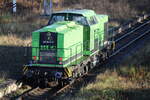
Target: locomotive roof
column 60, row 27
column 84, row 12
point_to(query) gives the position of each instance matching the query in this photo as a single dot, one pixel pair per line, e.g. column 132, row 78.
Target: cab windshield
column 68, row 17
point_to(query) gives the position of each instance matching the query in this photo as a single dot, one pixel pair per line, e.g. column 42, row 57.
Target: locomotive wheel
column 80, row 74
column 74, row 74
column 82, row 71
column 90, row 65
column 86, row 69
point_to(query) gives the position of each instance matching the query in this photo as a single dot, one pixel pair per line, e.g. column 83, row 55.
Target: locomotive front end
column 54, row 49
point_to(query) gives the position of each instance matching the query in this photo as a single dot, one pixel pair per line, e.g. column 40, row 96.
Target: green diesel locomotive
column 68, row 46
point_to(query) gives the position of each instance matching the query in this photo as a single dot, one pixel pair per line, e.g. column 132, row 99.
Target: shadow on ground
column 136, row 94
column 12, row 59
column 109, row 94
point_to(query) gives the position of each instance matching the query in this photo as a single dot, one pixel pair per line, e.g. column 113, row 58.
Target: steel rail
column 60, row 90
column 27, row 93
column 125, row 46
column 24, row 94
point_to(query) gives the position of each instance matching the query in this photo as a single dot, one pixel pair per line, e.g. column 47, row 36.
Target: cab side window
column 80, row 19
column 93, row 20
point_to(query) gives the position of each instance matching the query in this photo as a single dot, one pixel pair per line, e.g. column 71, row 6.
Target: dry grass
column 113, row 85
column 13, row 40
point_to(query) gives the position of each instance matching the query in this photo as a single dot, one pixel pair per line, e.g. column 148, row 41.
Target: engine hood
column 59, row 27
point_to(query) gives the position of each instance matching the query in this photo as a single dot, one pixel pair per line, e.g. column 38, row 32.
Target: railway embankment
column 130, row 80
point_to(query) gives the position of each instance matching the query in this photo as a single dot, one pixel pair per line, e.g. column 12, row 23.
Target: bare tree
column 47, row 7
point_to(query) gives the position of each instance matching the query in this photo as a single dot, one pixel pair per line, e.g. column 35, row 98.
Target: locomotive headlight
column 60, row 59
column 60, row 63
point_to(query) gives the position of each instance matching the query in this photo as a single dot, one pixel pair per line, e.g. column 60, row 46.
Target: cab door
column 94, row 34
column 48, row 48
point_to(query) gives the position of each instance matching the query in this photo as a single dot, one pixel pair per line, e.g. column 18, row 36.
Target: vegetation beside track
column 15, row 35
column 129, row 81
column 14, row 40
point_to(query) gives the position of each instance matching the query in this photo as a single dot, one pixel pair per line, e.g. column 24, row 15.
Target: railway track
column 132, row 34
column 130, row 37
column 41, row 94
